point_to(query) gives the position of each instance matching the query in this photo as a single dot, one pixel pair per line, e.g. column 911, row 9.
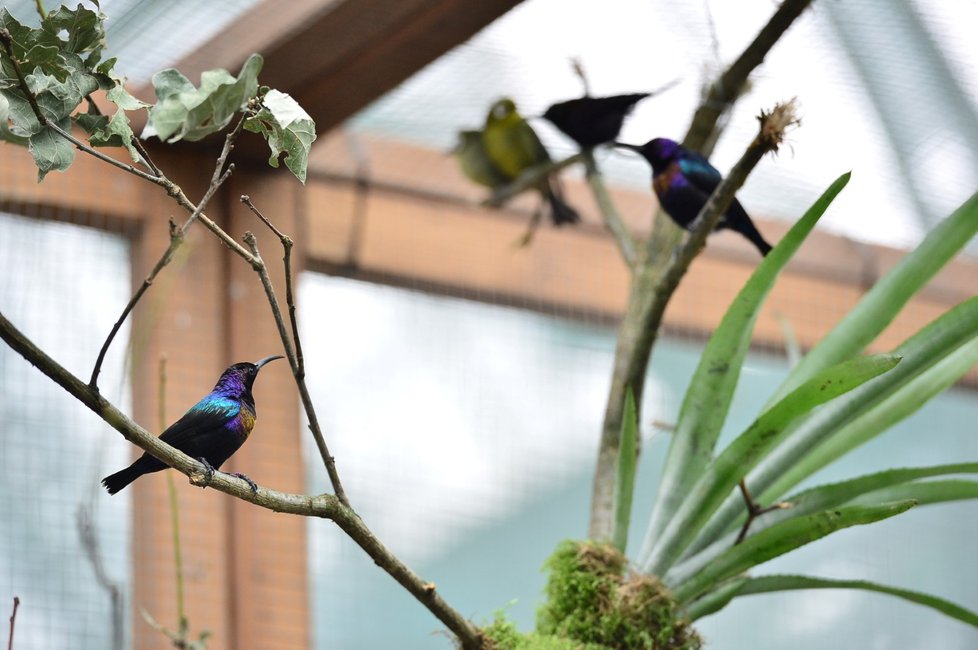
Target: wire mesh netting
column 465, row 433
column 64, row 550
column 466, row 429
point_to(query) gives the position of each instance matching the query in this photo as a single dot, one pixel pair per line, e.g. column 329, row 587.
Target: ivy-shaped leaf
column 287, row 128
column 184, row 112
column 51, row 152
column 5, row 133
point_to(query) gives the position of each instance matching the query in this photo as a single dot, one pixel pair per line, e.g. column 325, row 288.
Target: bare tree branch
column 728, row 86
column 326, row 506
column 529, row 179
column 13, row 619
column 291, row 350
column 609, row 213
column 653, row 283
column 90, row 546
column 176, row 240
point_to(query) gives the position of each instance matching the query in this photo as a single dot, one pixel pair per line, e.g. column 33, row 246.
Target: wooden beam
column 336, row 56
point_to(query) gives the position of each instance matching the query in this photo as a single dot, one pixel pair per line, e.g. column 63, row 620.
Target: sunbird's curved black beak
column 624, row 145
column 262, row 362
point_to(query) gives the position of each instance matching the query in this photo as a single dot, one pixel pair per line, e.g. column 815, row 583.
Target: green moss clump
column 503, row 635
column 593, row 598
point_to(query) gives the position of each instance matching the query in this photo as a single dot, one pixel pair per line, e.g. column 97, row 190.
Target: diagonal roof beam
column 336, row 56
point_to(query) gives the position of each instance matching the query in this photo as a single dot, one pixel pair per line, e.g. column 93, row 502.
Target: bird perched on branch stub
column 683, row 180
column 211, row 431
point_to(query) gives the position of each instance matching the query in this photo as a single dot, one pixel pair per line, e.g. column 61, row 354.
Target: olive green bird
column 474, row 161
column 512, row 146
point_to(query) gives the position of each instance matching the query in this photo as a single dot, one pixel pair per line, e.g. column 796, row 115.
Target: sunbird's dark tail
column 736, row 219
column 115, row 482
column 748, row 230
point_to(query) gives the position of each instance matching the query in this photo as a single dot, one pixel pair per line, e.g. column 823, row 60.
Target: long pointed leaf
column 923, row 350
column 888, row 296
column 781, row 539
column 625, row 483
column 746, row 450
column 923, row 492
column 881, row 487
column 901, row 403
column 709, row 394
column 773, row 583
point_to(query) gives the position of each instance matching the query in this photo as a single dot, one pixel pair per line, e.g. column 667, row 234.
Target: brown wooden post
column 183, row 317
column 270, row 581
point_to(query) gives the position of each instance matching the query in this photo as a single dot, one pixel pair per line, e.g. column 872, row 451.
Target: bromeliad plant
column 706, row 530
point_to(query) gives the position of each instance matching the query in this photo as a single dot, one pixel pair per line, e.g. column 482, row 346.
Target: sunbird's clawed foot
column 208, row 471
column 251, row 484
column 754, row 510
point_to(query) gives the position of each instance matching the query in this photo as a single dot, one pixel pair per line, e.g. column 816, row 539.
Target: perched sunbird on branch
column 683, row 180
column 590, row 121
column 211, row 431
column 513, row 147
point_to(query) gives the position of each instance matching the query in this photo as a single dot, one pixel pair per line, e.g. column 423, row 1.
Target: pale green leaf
column 777, row 583
column 287, row 128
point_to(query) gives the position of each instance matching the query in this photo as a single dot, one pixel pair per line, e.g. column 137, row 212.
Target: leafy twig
column 137, row 144
column 178, row 639
column 290, row 349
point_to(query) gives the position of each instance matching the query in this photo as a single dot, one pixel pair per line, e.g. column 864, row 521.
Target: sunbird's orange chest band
column 247, row 419
column 662, row 182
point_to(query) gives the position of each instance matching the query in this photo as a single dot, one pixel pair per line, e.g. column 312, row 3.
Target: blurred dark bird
column 471, row 155
column 513, row 146
column 590, row 121
column 212, row 430
column 683, row 180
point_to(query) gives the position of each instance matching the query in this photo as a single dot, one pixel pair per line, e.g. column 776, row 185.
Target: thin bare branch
column 290, row 351
column 177, row 236
column 13, row 619
column 755, row 510
column 727, row 88
column 652, row 287
column 137, row 144
column 609, row 213
column 529, row 179
column 578, row 67
column 88, row 536
column 326, row 506
column 637, row 332
column 299, row 367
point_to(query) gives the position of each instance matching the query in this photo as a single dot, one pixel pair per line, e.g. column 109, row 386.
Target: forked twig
column 291, row 345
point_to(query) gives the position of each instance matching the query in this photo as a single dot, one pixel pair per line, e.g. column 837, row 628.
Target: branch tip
column 776, row 123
